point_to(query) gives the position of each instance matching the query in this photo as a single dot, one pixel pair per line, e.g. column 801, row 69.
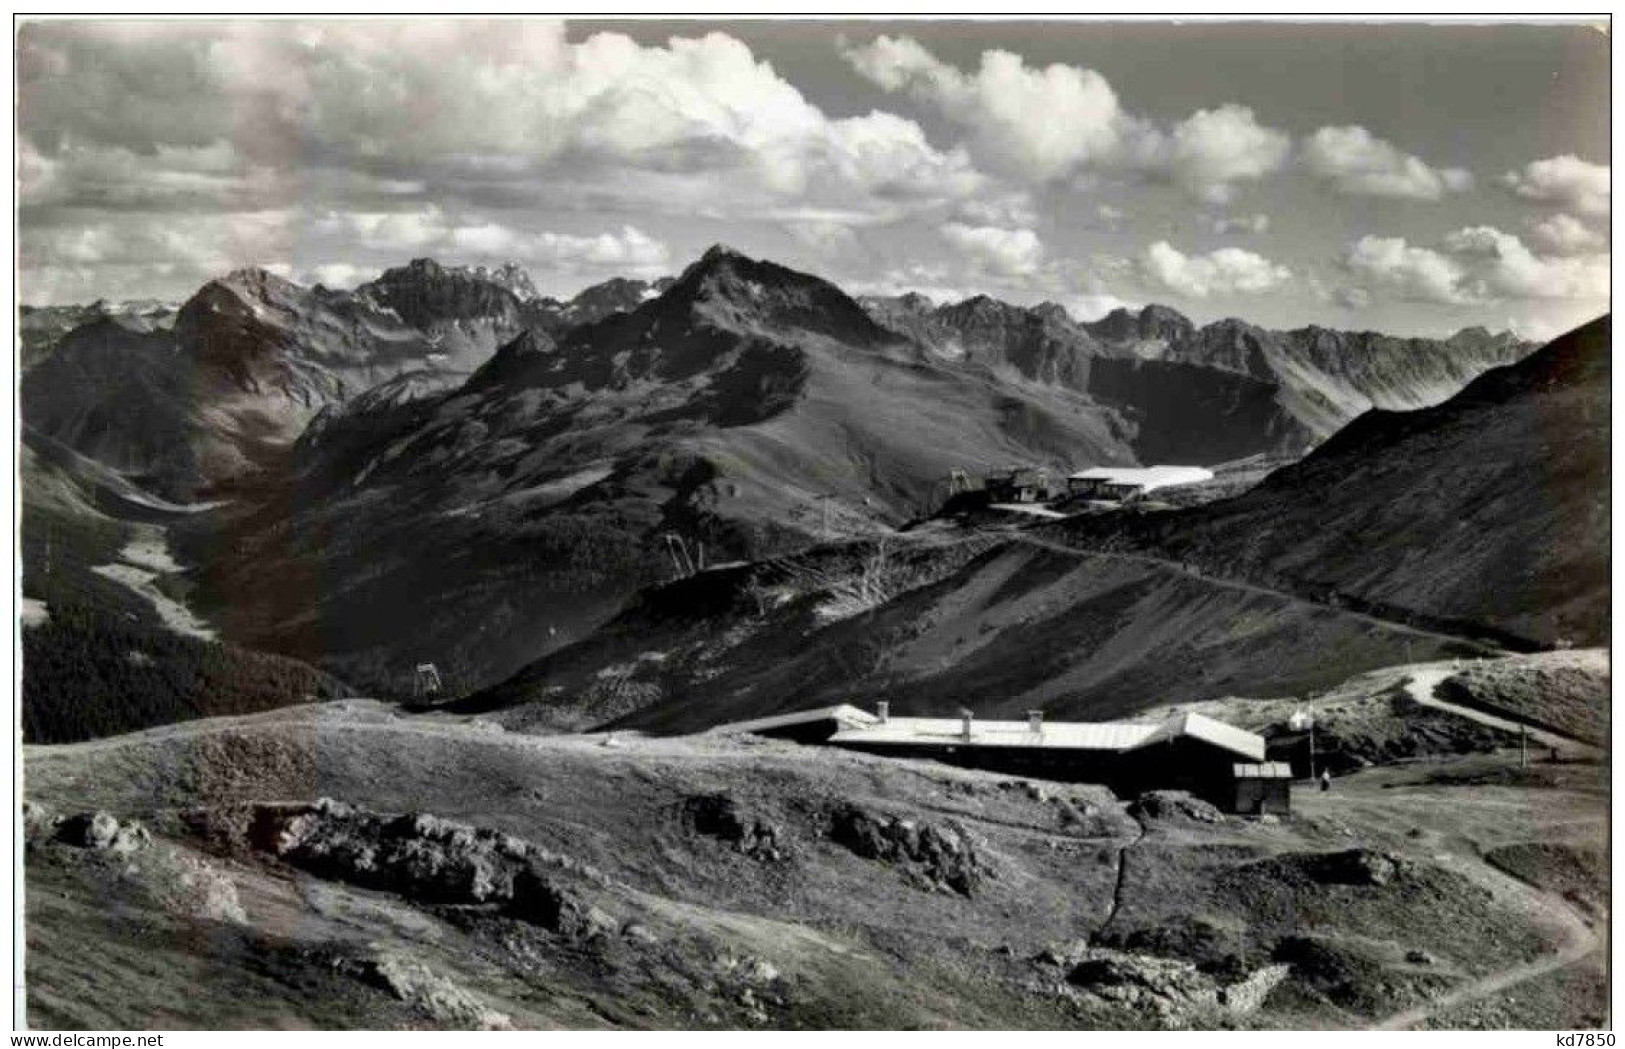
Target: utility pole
column 1523, row 746
column 824, row 499
column 1311, row 749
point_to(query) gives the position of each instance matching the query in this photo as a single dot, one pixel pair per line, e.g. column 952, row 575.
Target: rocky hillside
column 464, row 313
column 1002, row 631
column 341, row 867
column 185, row 400
column 616, row 295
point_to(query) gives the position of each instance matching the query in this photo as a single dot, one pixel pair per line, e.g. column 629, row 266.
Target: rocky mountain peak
column 1051, row 311
column 731, row 290
column 1165, row 322
column 512, row 276
column 1153, row 323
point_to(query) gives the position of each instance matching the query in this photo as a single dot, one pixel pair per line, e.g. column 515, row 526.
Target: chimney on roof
column 883, row 711
column 1035, row 722
column 965, row 718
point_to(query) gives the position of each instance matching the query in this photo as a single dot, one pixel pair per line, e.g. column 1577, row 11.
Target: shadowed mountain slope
column 1491, row 508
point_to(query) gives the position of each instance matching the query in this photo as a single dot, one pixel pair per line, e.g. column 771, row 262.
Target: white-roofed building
column 1184, row 751
column 1124, row 482
column 804, row 726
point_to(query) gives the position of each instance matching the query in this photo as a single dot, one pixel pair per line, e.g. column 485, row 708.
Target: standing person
column 1325, row 779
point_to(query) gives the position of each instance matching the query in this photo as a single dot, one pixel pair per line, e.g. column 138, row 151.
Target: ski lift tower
column 1300, row 721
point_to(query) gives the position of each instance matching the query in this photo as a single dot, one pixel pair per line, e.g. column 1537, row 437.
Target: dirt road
column 1578, row 942
column 1456, row 836
column 1423, row 687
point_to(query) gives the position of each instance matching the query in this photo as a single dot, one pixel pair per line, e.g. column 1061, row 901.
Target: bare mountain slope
column 1020, row 627
column 1491, row 508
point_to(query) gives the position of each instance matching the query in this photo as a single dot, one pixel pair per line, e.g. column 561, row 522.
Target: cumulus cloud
column 1567, row 182
column 1412, row 273
column 1476, row 265
column 128, row 119
column 1002, row 209
column 1507, row 269
column 123, row 123
column 430, row 230
column 1227, row 271
column 1213, row 149
column 1002, row 252
column 936, row 281
column 336, row 275
column 120, row 257
column 1355, row 161
column 1563, row 234
column 1110, row 217
column 1044, row 124
column 1024, row 122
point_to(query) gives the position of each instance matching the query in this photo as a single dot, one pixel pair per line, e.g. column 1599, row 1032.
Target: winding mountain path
column 1423, row 686
column 1578, row 942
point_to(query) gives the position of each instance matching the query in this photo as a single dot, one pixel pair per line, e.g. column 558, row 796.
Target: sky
column 1414, row 179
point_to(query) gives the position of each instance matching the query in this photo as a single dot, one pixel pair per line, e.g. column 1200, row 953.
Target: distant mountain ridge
column 1318, row 379
column 41, row 328
column 185, row 399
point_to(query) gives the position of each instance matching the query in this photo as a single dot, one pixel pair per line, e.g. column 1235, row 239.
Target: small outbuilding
column 1183, row 752
column 1262, row 788
column 1019, row 484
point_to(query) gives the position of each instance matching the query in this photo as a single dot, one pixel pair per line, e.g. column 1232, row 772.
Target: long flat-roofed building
column 1130, row 482
column 1185, row 751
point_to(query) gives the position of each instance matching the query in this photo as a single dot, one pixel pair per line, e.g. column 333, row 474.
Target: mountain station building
column 1190, row 752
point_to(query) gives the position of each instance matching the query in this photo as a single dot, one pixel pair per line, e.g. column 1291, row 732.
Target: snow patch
column 144, row 558
column 33, row 612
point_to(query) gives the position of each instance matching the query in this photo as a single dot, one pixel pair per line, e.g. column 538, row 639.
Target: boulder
column 940, row 857
column 1174, row 804
column 720, row 816
column 89, row 830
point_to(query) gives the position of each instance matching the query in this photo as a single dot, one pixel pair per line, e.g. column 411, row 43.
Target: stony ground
column 459, row 876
